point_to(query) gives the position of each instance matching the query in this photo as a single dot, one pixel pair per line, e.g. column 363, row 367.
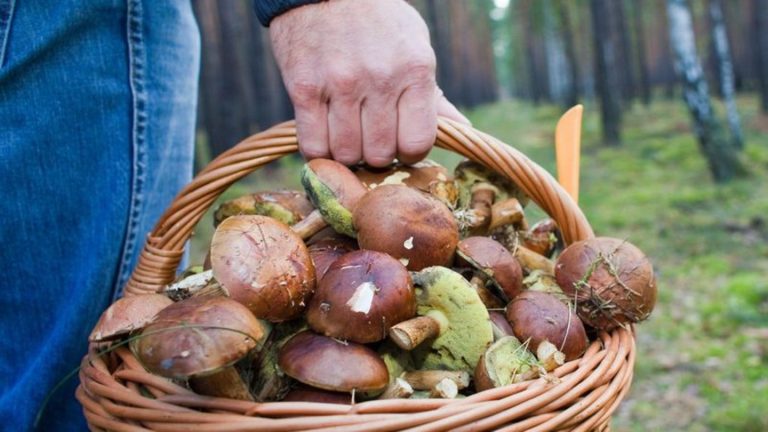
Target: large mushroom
column 264, row 265
column 199, row 339
column 334, row 190
column 326, row 363
column 453, row 328
column 537, row 317
column 412, row 226
column 361, row 296
column 494, row 265
column 287, row 206
column 610, row 279
column 126, row 315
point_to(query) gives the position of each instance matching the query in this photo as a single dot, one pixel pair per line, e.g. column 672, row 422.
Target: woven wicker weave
column 117, row 394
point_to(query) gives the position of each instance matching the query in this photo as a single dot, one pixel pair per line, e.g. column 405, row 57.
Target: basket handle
column 165, row 244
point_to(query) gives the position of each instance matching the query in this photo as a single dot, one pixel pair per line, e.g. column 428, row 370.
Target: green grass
column 703, row 356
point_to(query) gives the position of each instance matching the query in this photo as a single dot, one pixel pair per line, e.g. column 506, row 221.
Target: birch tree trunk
column 721, row 156
column 725, row 68
column 606, row 68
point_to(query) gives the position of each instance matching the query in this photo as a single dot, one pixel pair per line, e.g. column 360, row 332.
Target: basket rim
column 114, row 388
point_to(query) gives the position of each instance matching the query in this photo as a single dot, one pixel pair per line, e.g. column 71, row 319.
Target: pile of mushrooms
column 397, row 282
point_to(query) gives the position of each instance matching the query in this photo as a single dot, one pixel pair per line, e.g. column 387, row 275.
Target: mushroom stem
column 411, row 333
column 445, row 389
column 397, row 389
column 310, row 225
column 530, row 260
column 225, row 383
column 549, row 356
column 507, row 212
column 428, row 379
column 486, row 296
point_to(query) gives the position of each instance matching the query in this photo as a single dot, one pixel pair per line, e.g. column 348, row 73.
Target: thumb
column 446, row 109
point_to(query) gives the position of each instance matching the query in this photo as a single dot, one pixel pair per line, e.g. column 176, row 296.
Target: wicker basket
column 117, row 394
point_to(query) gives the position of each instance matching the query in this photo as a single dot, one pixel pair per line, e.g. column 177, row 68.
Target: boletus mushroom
column 287, row 206
column 505, row 362
column 543, row 237
column 334, row 190
column 537, row 317
column 264, row 265
column 453, row 328
column 412, row 226
column 493, row 263
column 199, row 339
column 361, row 296
column 610, row 279
column 329, row 364
column 126, row 315
column 426, row 176
column 326, row 250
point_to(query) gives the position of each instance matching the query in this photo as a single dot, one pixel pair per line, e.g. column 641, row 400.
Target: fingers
column 416, row 122
column 344, row 131
column 379, row 123
column 312, row 127
column 446, row 109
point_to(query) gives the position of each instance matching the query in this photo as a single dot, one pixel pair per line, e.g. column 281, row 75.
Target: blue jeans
column 97, row 110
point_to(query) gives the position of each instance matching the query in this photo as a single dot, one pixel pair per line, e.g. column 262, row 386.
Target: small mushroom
column 458, row 327
column 287, row 206
column 188, row 284
column 479, row 189
column 539, row 317
column 505, row 362
column 531, row 261
column 199, row 338
column 326, row 363
column 361, row 296
column 507, row 212
column 426, row 176
column 397, row 389
column 334, row 190
column 445, row 389
column 428, row 379
column 305, row 393
column 611, row 280
column 494, row 263
column 262, row 264
column 126, row 315
column 325, row 251
column 413, row 227
column 543, row 237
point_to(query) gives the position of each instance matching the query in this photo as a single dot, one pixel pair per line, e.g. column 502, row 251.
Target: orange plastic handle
column 568, row 150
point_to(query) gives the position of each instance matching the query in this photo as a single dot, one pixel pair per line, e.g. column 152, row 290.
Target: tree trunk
column 642, row 61
column 721, row 156
column 725, row 70
column 606, row 68
column 624, row 51
column 761, row 49
column 566, row 30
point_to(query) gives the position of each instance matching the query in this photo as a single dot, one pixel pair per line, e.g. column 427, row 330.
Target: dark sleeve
column 266, row 10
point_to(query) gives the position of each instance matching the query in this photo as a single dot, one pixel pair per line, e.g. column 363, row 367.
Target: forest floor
column 702, row 360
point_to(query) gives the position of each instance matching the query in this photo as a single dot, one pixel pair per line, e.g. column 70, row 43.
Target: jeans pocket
column 6, row 15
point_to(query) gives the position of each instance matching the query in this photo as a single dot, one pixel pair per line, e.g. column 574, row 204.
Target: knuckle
column 421, row 68
column 304, row 92
column 344, row 81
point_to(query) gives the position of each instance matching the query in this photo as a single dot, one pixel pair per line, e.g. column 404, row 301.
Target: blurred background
column 674, row 159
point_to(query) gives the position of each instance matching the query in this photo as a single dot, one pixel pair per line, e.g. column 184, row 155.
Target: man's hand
column 361, row 75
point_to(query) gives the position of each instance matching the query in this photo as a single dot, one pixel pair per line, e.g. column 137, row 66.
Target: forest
column 674, row 148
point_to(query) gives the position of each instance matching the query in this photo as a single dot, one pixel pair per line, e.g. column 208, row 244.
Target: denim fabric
column 97, row 110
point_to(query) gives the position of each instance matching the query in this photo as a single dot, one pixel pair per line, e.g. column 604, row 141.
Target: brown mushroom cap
column 128, row 314
column 611, row 280
column 287, row 206
column 407, row 224
column 361, row 296
column 542, row 237
column 495, row 261
column 197, row 336
column 323, row 362
column 305, row 393
column 538, row 316
column 327, row 250
column 263, row 265
column 420, row 175
column 334, row 190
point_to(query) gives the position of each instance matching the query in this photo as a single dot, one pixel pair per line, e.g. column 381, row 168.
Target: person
column 97, row 115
